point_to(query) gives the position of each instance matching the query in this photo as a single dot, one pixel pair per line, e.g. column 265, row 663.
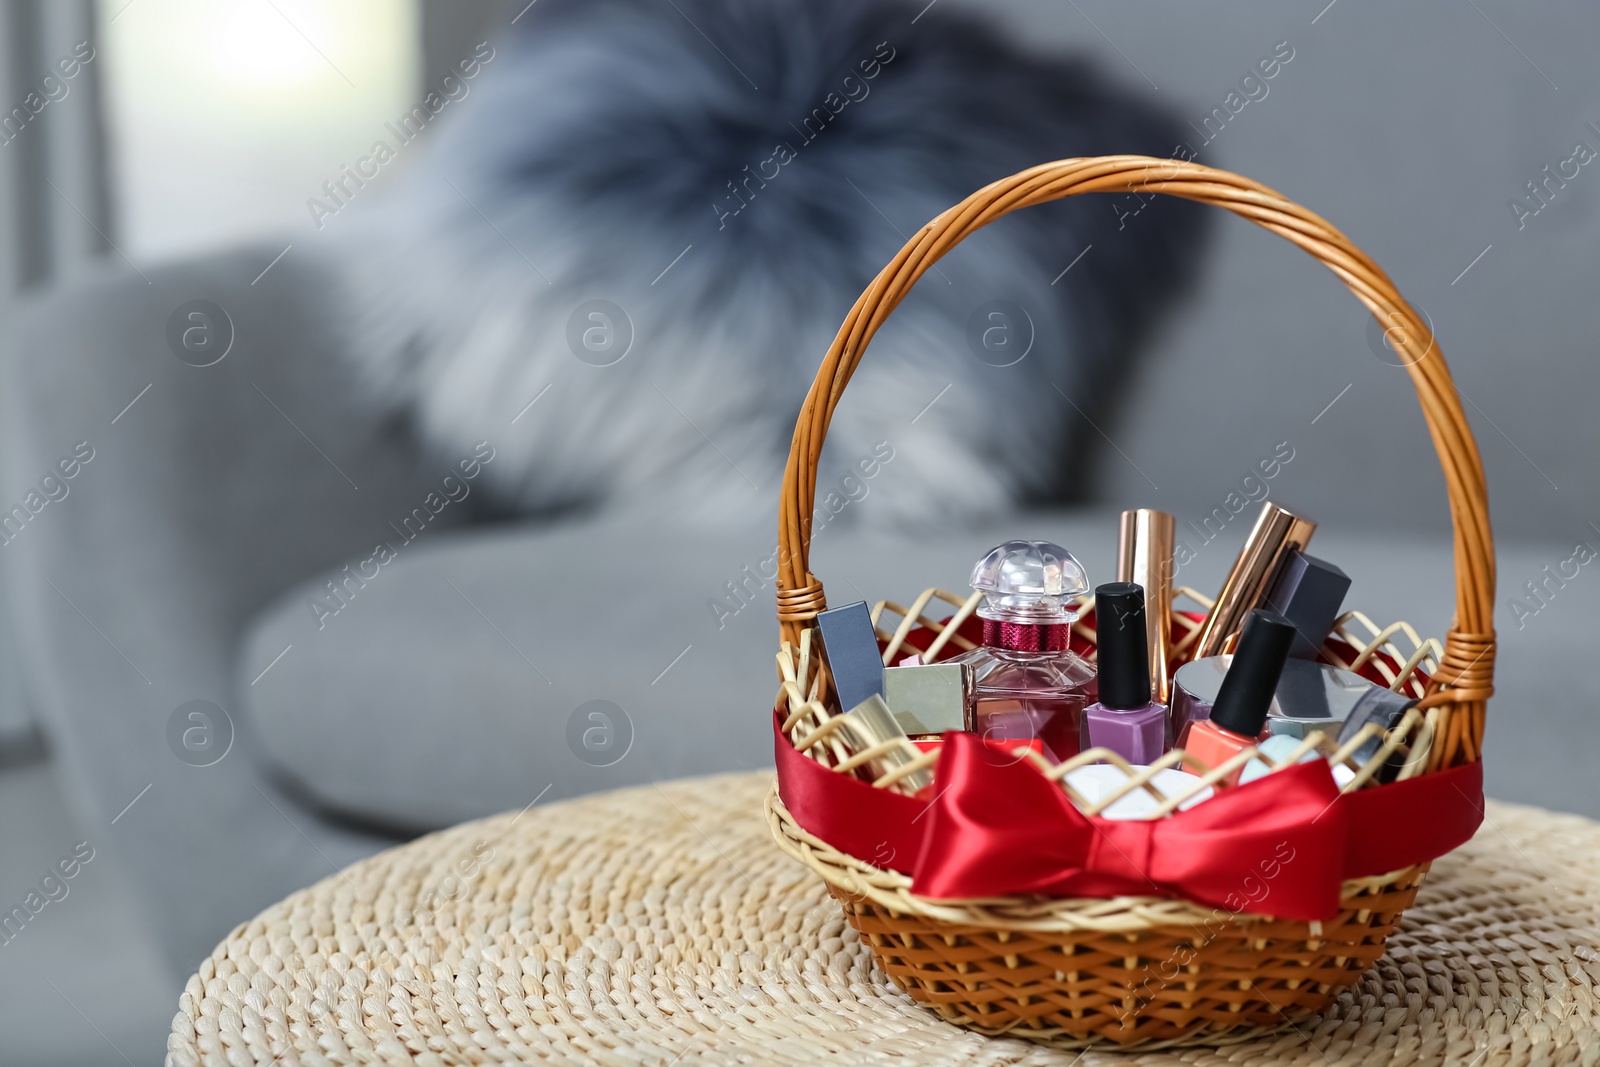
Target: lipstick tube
column 850, row 645
column 1308, row 592
column 871, row 723
column 1276, row 532
column 929, row 699
column 1144, row 557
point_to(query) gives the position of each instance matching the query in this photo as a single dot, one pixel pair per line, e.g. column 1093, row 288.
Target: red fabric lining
column 1277, row 846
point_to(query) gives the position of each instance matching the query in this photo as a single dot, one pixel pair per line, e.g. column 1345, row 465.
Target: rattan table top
column 661, row 925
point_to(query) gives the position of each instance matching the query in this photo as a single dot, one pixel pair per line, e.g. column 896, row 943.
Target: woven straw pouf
column 661, row 925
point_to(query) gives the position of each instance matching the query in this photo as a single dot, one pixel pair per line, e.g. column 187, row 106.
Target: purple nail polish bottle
column 1125, row 719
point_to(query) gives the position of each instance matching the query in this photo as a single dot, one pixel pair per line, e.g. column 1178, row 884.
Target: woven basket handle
column 1463, row 681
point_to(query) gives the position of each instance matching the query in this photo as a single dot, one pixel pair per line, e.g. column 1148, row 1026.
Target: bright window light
column 225, row 116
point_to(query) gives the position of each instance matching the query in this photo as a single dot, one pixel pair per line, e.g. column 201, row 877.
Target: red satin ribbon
column 875, row 826
column 1278, row 846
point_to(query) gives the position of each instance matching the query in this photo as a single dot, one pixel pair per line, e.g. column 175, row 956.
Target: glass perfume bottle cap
column 1034, row 582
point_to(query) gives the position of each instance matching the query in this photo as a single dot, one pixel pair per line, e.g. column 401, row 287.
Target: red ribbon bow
column 1000, row 827
column 1278, row 846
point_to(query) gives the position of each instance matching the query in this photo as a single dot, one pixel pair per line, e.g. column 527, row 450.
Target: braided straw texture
column 658, row 926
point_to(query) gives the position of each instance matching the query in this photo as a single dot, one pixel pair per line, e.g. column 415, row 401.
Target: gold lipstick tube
column 1276, row 532
column 1144, row 557
column 871, row 723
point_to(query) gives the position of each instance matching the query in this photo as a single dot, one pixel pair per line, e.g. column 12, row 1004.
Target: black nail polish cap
column 1247, row 689
column 1123, row 645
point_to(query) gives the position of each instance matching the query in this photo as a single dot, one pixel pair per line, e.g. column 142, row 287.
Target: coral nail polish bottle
column 1240, row 712
column 1027, row 682
column 1125, row 719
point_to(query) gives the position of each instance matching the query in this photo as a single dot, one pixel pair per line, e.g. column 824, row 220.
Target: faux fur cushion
column 622, row 256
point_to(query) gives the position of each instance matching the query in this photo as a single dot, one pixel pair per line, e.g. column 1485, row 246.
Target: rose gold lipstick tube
column 1275, row 533
column 1144, row 557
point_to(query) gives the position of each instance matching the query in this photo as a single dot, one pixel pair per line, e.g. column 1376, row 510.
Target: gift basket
column 1129, row 814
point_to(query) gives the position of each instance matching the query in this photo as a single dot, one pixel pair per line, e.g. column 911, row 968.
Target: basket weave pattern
column 1139, row 970
column 1147, row 984
column 1133, row 970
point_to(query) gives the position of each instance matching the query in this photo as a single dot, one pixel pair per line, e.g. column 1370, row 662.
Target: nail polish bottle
column 1240, row 713
column 1028, row 683
column 1194, row 691
column 1124, row 719
column 1310, row 696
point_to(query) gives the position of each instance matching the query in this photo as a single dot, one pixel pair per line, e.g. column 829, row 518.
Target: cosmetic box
column 996, row 895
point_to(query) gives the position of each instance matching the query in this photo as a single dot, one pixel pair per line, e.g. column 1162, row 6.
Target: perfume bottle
column 1027, row 683
column 1124, row 719
column 1240, row 713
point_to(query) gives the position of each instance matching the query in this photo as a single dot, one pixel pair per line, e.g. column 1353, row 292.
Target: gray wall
column 450, row 29
column 1409, row 126
column 54, row 208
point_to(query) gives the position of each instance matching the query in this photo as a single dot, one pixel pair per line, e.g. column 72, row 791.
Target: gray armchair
column 202, row 501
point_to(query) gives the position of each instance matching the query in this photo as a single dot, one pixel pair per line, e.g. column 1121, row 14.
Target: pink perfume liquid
column 1028, row 684
column 1022, row 696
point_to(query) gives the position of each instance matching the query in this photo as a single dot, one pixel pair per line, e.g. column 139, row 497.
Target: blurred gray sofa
column 183, row 562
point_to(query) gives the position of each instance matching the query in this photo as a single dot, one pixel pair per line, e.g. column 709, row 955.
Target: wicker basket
column 1078, row 971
